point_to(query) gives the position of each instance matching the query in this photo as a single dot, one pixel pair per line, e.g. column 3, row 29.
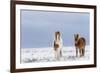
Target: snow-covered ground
column 29, row 55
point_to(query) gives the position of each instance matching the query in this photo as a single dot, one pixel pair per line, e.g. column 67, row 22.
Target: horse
column 57, row 45
column 80, row 43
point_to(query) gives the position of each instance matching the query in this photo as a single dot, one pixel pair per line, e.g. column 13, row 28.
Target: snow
column 31, row 55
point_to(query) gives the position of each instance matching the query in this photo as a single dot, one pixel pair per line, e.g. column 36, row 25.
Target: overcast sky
column 38, row 27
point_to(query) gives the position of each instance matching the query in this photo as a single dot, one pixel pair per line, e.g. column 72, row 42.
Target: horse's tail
column 83, row 50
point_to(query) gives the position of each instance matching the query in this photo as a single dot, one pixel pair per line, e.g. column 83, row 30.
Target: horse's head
column 57, row 35
column 76, row 37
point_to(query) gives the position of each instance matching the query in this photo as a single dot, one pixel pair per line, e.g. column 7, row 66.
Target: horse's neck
column 58, row 40
column 77, row 40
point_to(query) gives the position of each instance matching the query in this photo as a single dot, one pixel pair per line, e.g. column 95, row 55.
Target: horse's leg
column 83, row 51
column 80, row 51
column 55, row 54
column 60, row 53
column 76, row 52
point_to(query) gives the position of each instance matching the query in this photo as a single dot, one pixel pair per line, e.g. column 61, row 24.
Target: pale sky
column 38, row 27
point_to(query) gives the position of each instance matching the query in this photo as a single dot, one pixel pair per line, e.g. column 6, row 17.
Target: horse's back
column 82, row 42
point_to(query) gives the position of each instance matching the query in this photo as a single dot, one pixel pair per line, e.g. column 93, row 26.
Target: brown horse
column 80, row 43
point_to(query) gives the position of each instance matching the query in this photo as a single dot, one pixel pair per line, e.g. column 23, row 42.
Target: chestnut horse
column 57, row 45
column 80, row 43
